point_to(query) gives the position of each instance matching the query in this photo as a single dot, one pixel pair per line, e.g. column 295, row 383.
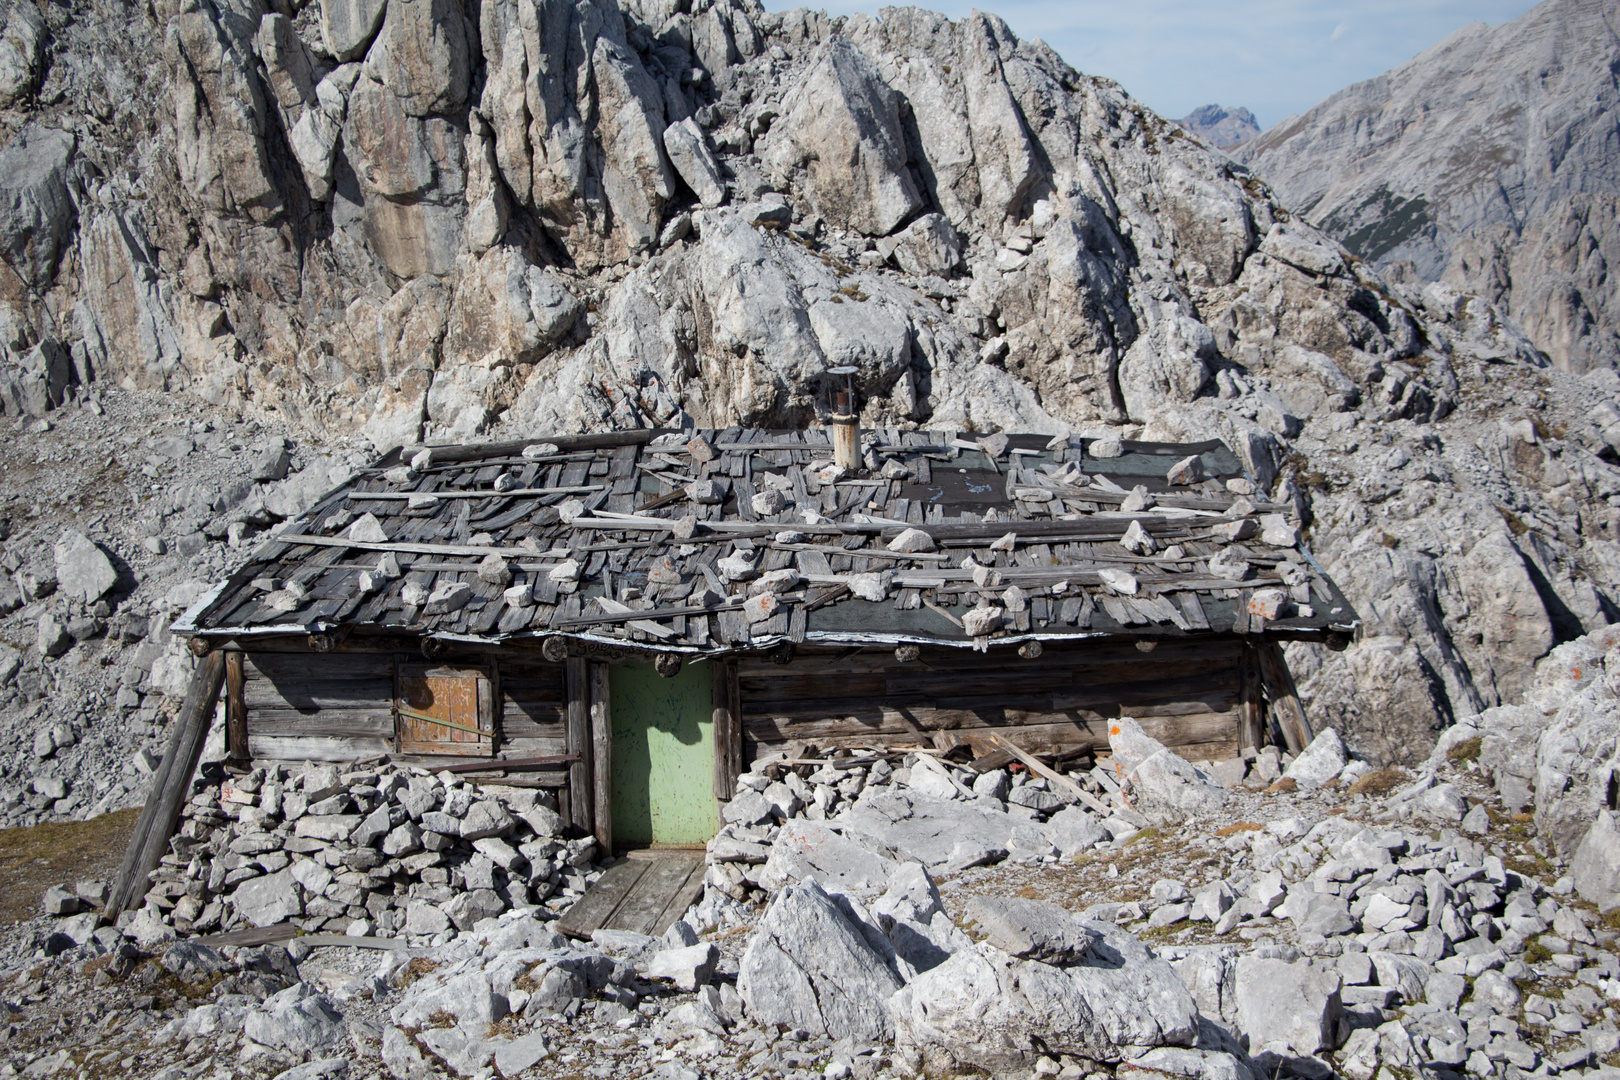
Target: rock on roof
column 736, row 538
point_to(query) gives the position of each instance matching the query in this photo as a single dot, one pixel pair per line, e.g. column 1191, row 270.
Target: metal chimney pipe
column 846, row 433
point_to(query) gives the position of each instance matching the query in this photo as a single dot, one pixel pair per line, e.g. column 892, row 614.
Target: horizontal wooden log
column 1103, row 699
column 534, row 746
column 316, row 694
column 1041, row 738
column 336, row 723
column 519, row 726
column 910, row 680
column 315, row 748
column 1105, row 652
column 478, row 451
column 875, row 722
column 402, row 547
column 453, row 493
column 306, row 665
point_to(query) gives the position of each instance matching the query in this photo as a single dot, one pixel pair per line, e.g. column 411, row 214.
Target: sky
column 1273, row 57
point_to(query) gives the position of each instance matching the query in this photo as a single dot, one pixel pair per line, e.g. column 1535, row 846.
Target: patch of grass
column 1287, row 783
column 415, row 969
column 1515, row 523
column 1379, row 782
column 1142, row 836
column 1237, row 827
column 1610, row 920
column 1467, row 750
column 1535, row 952
column 1529, row 866
column 34, row 858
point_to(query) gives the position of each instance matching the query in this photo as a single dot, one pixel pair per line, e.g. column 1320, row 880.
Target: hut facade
column 631, row 618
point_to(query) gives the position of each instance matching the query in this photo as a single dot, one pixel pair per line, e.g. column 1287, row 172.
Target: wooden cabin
column 575, row 612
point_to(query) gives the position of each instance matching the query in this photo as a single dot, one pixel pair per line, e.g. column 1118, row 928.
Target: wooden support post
column 1283, row 696
column 602, row 755
column 580, row 803
column 727, row 731
column 236, row 727
column 170, row 785
column 1252, row 710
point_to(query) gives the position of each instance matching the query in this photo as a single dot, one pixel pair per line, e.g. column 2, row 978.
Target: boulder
column 683, row 142
column 1165, row 786
column 1292, row 1005
column 1319, row 762
column 1597, row 863
column 23, row 34
column 83, row 571
column 298, row 1020
column 913, row 916
column 266, row 901
column 839, row 857
column 1189, row 1064
column 348, row 26
column 688, row 968
column 815, row 963
column 928, row 246
column 986, row 1008
column 841, row 127
column 1030, row 929
column 36, row 211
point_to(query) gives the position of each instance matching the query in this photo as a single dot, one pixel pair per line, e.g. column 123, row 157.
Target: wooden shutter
column 444, row 710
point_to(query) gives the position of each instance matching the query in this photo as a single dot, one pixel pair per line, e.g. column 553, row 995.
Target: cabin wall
column 1189, row 695
column 339, row 706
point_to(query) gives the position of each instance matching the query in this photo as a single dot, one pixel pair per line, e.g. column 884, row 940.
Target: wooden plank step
column 592, row 911
column 638, row 894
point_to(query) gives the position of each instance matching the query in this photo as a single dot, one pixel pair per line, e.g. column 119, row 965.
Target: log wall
column 1189, row 695
column 307, row 706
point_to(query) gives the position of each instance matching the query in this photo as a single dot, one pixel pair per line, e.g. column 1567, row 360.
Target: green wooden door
column 663, row 755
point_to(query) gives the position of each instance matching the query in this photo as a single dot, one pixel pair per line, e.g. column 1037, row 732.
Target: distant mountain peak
column 1220, row 125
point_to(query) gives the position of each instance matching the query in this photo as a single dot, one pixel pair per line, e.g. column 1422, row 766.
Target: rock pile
column 854, row 819
column 368, row 850
column 912, row 925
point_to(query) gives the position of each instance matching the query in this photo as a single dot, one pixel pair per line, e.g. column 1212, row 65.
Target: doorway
column 663, row 756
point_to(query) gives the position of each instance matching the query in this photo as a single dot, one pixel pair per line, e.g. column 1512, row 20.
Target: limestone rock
column 841, row 124
column 83, row 571
column 1294, row 1005
column 347, row 26
column 299, row 1020
column 36, row 213
column 983, row 1007
column 1597, row 863
column 689, row 154
column 268, row 900
column 23, row 34
column 1321, row 761
column 1166, row 785
column 1031, row 929
column 815, row 964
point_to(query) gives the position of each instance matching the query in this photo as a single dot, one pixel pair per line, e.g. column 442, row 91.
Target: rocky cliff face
column 409, row 219
column 1490, row 161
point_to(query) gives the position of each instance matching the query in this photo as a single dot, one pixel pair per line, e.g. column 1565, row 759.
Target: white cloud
column 1340, row 31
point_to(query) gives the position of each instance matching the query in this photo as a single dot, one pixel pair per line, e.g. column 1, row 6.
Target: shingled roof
column 719, row 540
